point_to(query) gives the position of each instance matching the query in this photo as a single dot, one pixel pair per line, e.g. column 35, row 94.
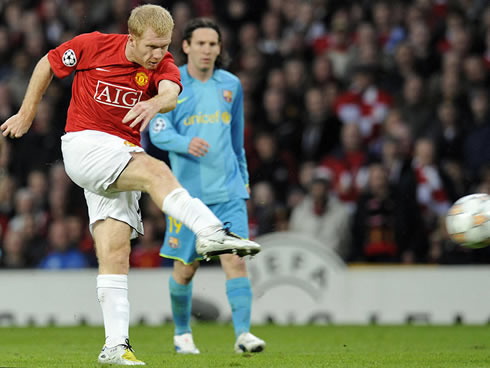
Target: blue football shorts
column 180, row 242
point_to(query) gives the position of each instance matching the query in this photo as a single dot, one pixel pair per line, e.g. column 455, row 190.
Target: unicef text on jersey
column 217, row 117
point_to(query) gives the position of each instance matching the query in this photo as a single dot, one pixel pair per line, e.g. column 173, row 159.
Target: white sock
column 112, row 292
column 190, row 211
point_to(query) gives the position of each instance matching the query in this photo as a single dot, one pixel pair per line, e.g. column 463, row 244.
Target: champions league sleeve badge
column 69, row 58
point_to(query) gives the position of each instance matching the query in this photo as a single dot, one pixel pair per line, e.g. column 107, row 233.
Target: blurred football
column 468, row 221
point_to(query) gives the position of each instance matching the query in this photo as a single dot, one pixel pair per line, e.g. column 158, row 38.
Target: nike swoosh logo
column 102, row 70
column 182, row 100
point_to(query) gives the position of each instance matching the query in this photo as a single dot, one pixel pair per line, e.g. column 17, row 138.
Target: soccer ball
column 468, row 221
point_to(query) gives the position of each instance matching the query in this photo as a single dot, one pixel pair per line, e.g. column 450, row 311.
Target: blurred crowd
column 365, row 120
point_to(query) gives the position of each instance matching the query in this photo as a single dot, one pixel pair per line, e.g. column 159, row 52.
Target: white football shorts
column 94, row 160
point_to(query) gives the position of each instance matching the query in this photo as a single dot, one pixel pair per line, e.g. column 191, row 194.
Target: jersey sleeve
column 237, row 132
column 164, row 136
column 69, row 56
column 168, row 71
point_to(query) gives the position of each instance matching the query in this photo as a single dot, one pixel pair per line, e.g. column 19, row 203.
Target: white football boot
column 223, row 241
column 120, row 354
column 184, row 344
column 248, row 343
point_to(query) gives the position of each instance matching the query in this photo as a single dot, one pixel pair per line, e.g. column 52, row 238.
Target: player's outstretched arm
column 17, row 125
column 144, row 111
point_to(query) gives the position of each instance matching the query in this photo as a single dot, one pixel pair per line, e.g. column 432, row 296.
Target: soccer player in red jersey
column 121, row 82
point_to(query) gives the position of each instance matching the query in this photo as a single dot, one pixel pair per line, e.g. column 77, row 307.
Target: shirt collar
column 185, row 74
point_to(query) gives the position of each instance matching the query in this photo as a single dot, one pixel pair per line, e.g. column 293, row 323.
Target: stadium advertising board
column 294, row 279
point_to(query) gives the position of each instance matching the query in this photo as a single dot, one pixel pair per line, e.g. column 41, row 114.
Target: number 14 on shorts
column 173, row 223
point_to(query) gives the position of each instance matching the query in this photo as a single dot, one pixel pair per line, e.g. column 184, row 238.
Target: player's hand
column 198, row 147
column 15, row 126
column 142, row 113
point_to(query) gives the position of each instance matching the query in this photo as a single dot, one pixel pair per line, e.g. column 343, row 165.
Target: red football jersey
column 106, row 84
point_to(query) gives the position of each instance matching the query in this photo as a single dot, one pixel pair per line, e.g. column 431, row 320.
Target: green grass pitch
column 289, row 346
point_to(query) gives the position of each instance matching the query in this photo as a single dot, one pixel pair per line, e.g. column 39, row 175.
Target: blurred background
column 365, row 120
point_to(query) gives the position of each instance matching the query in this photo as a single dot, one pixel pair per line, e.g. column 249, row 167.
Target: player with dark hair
column 121, row 82
column 204, row 137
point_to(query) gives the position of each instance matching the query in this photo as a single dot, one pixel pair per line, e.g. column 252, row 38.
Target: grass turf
column 292, row 346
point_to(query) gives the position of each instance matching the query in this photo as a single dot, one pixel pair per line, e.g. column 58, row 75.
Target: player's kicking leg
column 220, row 240
column 212, row 238
column 147, row 174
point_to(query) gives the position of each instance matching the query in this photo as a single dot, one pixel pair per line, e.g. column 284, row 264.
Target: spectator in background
column 145, row 253
column 7, row 194
column 19, row 77
column 322, row 216
column 320, row 127
column 457, row 182
column 64, row 197
column 389, row 34
column 364, row 103
column 451, row 65
column 322, row 71
column 270, row 36
column 24, row 207
column 276, row 79
column 34, row 44
column 401, row 67
column 34, row 239
column 4, row 156
column 486, row 53
column 77, row 16
column 432, row 195
column 41, row 145
column 5, row 66
column 413, row 107
column 483, row 186
column 396, row 128
column 60, row 253
column 475, row 73
column 384, row 225
column 151, row 212
column 476, row 146
column 272, row 165
column 296, row 79
column 427, row 61
column 367, row 53
column 451, row 90
column 276, row 121
column 397, row 165
column 182, row 12
column 347, row 165
column 6, row 106
column 447, row 132
column 37, row 183
column 12, row 17
column 79, row 238
column 336, row 44
column 13, row 251
column 248, row 36
column 364, row 34
column 57, row 203
column 52, row 22
column 261, row 209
